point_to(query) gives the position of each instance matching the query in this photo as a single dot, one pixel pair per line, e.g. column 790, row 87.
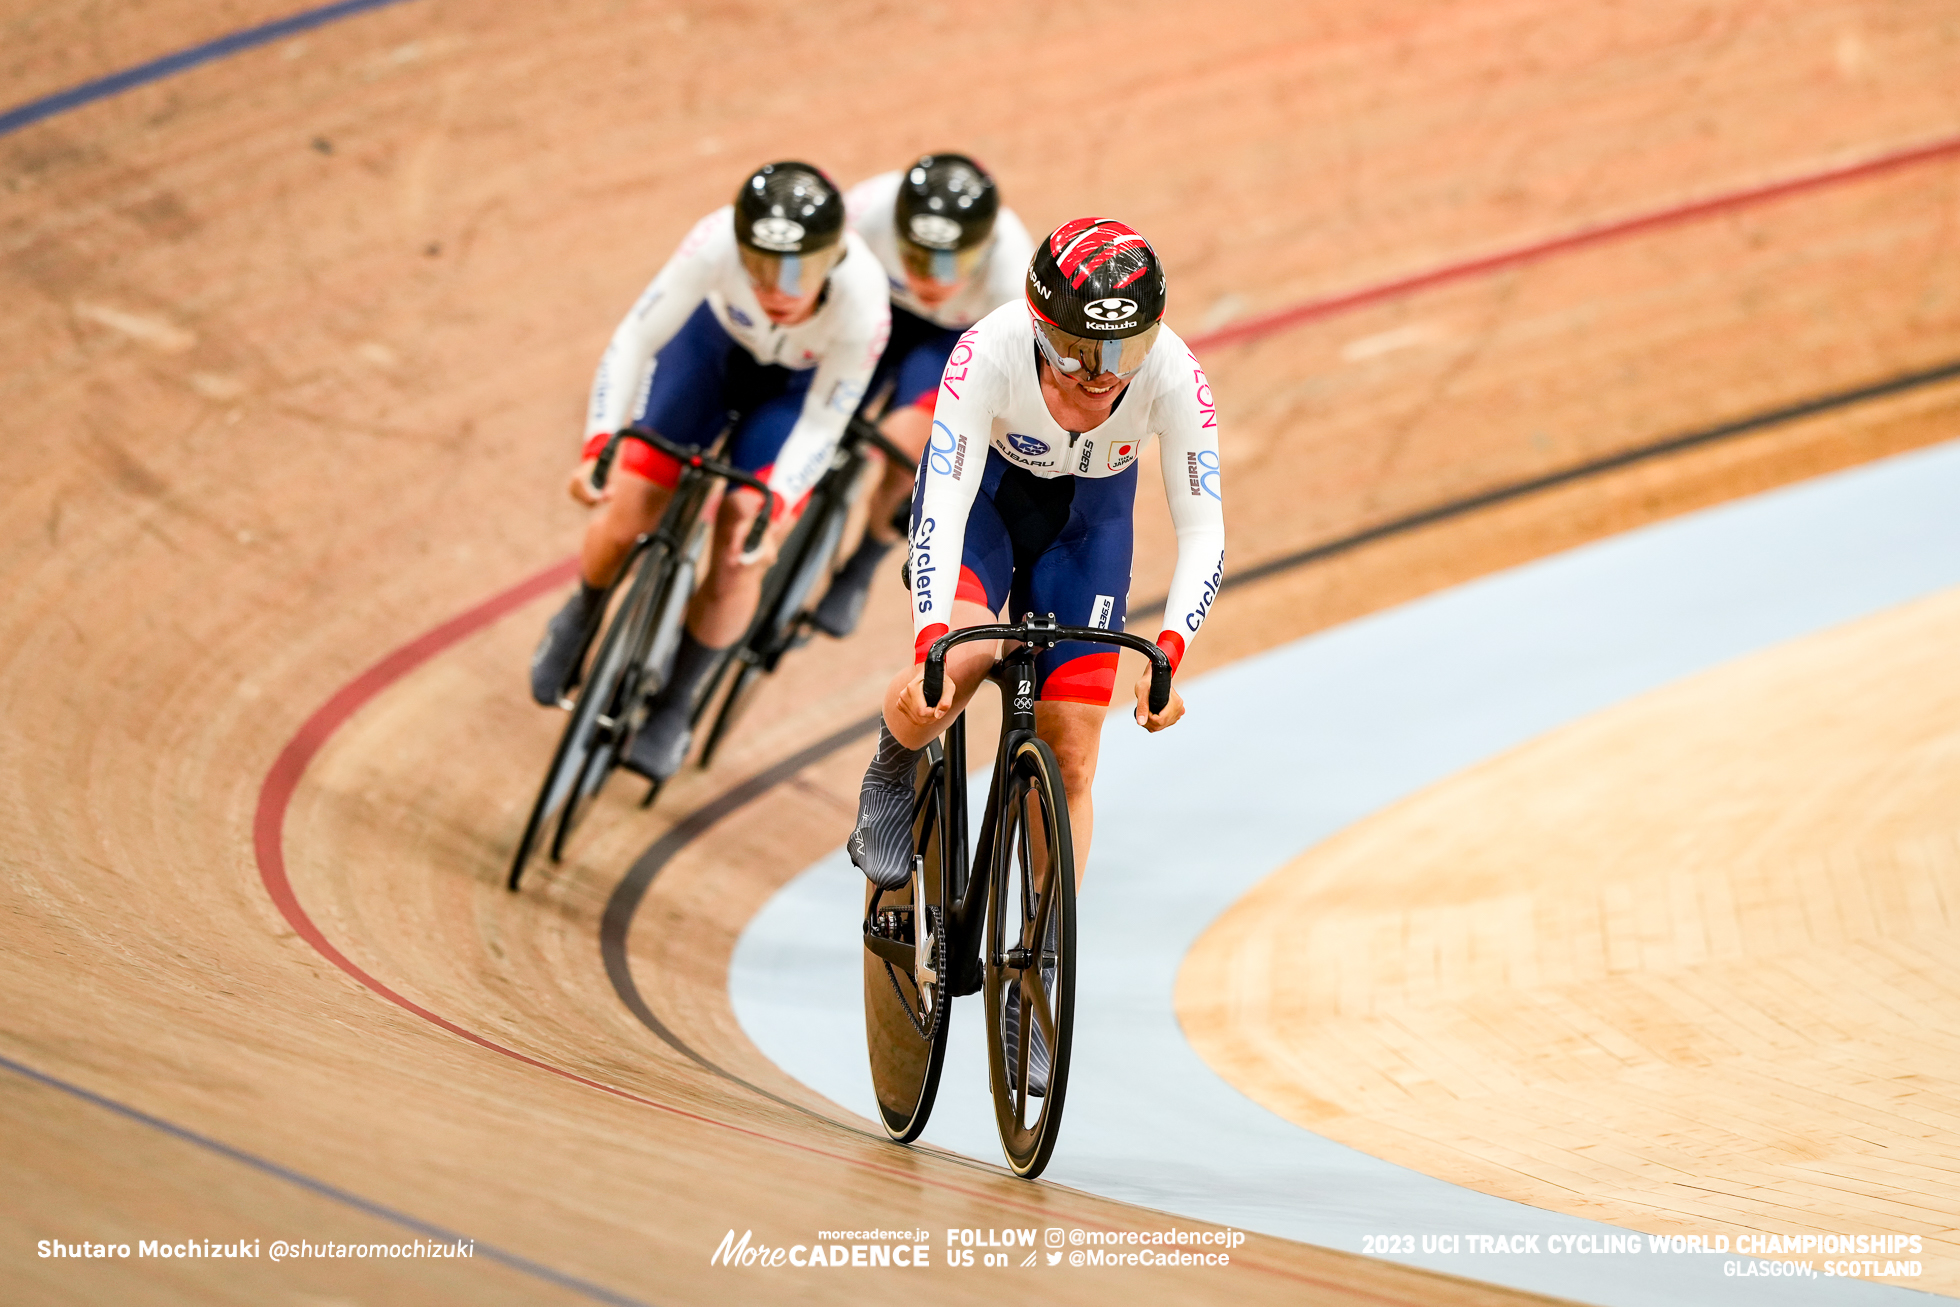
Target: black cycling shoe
column 1037, row 1051
column 837, row 614
column 881, row 846
column 659, row 747
column 566, row 635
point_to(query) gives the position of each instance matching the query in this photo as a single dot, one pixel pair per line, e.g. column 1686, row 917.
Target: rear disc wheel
column 905, row 962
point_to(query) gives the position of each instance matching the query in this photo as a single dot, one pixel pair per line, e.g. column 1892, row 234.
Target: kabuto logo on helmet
column 933, row 231
column 776, row 233
column 1113, row 309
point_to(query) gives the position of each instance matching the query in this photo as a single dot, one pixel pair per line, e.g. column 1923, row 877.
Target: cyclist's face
column 784, row 309
column 932, row 293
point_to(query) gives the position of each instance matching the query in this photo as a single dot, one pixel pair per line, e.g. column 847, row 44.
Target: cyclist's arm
column 1188, row 436
column 863, row 322
column 954, row 463
column 662, row 310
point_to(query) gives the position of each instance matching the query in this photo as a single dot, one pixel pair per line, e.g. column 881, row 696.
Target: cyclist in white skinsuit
column 1025, row 500
column 952, row 254
column 770, row 311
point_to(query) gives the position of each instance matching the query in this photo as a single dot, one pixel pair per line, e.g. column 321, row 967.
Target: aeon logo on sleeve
column 1027, row 444
column 1113, row 309
column 776, row 233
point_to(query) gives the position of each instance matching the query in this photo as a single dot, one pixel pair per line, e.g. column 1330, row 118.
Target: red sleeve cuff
column 1173, row 644
column 595, row 444
column 924, row 640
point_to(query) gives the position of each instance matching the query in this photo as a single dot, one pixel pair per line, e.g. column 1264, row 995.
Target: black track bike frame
column 1014, row 673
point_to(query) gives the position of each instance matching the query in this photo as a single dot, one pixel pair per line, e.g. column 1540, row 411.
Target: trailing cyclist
column 952, row 254
column 770, row 313
column 1025, row 500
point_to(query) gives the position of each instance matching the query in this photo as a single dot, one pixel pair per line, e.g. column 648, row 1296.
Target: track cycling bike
column 646, row 603
column 1001, row 922
column 636, row 649
column 783, row 619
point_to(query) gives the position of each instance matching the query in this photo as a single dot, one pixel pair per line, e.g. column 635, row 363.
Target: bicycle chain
column 938, row 989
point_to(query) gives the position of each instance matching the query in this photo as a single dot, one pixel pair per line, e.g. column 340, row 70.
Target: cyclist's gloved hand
column 1156, row 721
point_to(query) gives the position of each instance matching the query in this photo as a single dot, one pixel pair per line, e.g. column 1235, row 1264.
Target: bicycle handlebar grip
column 935, row 675
column 753, row 541
column 602, row 466
column 1160, row 682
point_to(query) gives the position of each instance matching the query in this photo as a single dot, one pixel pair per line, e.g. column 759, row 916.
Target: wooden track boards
column 1699, row 941
column 296, row 348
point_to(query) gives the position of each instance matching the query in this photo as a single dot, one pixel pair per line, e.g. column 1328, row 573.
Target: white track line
column 1285, row 749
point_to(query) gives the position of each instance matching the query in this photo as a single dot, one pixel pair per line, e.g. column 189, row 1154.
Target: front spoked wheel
column 652, row 607
column 905, row 955
column 1030, row 959
column 596, row 720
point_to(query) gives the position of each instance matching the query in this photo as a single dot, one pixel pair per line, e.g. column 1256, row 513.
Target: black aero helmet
column 944, row 216
column 789, row 226
column 1096, row 290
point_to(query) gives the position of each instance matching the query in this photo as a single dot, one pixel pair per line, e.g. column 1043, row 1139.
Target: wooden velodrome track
column 296, row 347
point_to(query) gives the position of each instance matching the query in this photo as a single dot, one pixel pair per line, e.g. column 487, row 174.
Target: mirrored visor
column 1087, row 356
column 947, row 267
column 792, row 274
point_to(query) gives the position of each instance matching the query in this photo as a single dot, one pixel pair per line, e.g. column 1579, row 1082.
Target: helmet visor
column 947, row 267
column 792, row 274
column 1087, row 356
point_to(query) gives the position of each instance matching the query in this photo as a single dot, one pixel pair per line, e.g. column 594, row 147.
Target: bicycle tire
column 618, row 687
column 569, row 759
column 905, row 1020
column 1030, row 944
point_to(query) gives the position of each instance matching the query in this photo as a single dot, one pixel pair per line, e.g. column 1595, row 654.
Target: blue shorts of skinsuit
column 702, row 378
column 1058, row 545
column 914, row 360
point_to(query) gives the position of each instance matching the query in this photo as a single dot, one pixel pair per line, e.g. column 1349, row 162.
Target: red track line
column 275, row 794
column 1241, row 333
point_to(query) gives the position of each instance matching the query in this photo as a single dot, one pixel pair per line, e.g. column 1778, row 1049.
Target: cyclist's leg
column 987, row 559
column 683, row 403
column 1084, row 579
column 915, row 359
column 908, row 424
column 880, row 841
column 769, row 401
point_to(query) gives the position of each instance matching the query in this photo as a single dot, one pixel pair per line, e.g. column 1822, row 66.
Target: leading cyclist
column 952, row 254
column 773, row 315
column 1025, row 499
